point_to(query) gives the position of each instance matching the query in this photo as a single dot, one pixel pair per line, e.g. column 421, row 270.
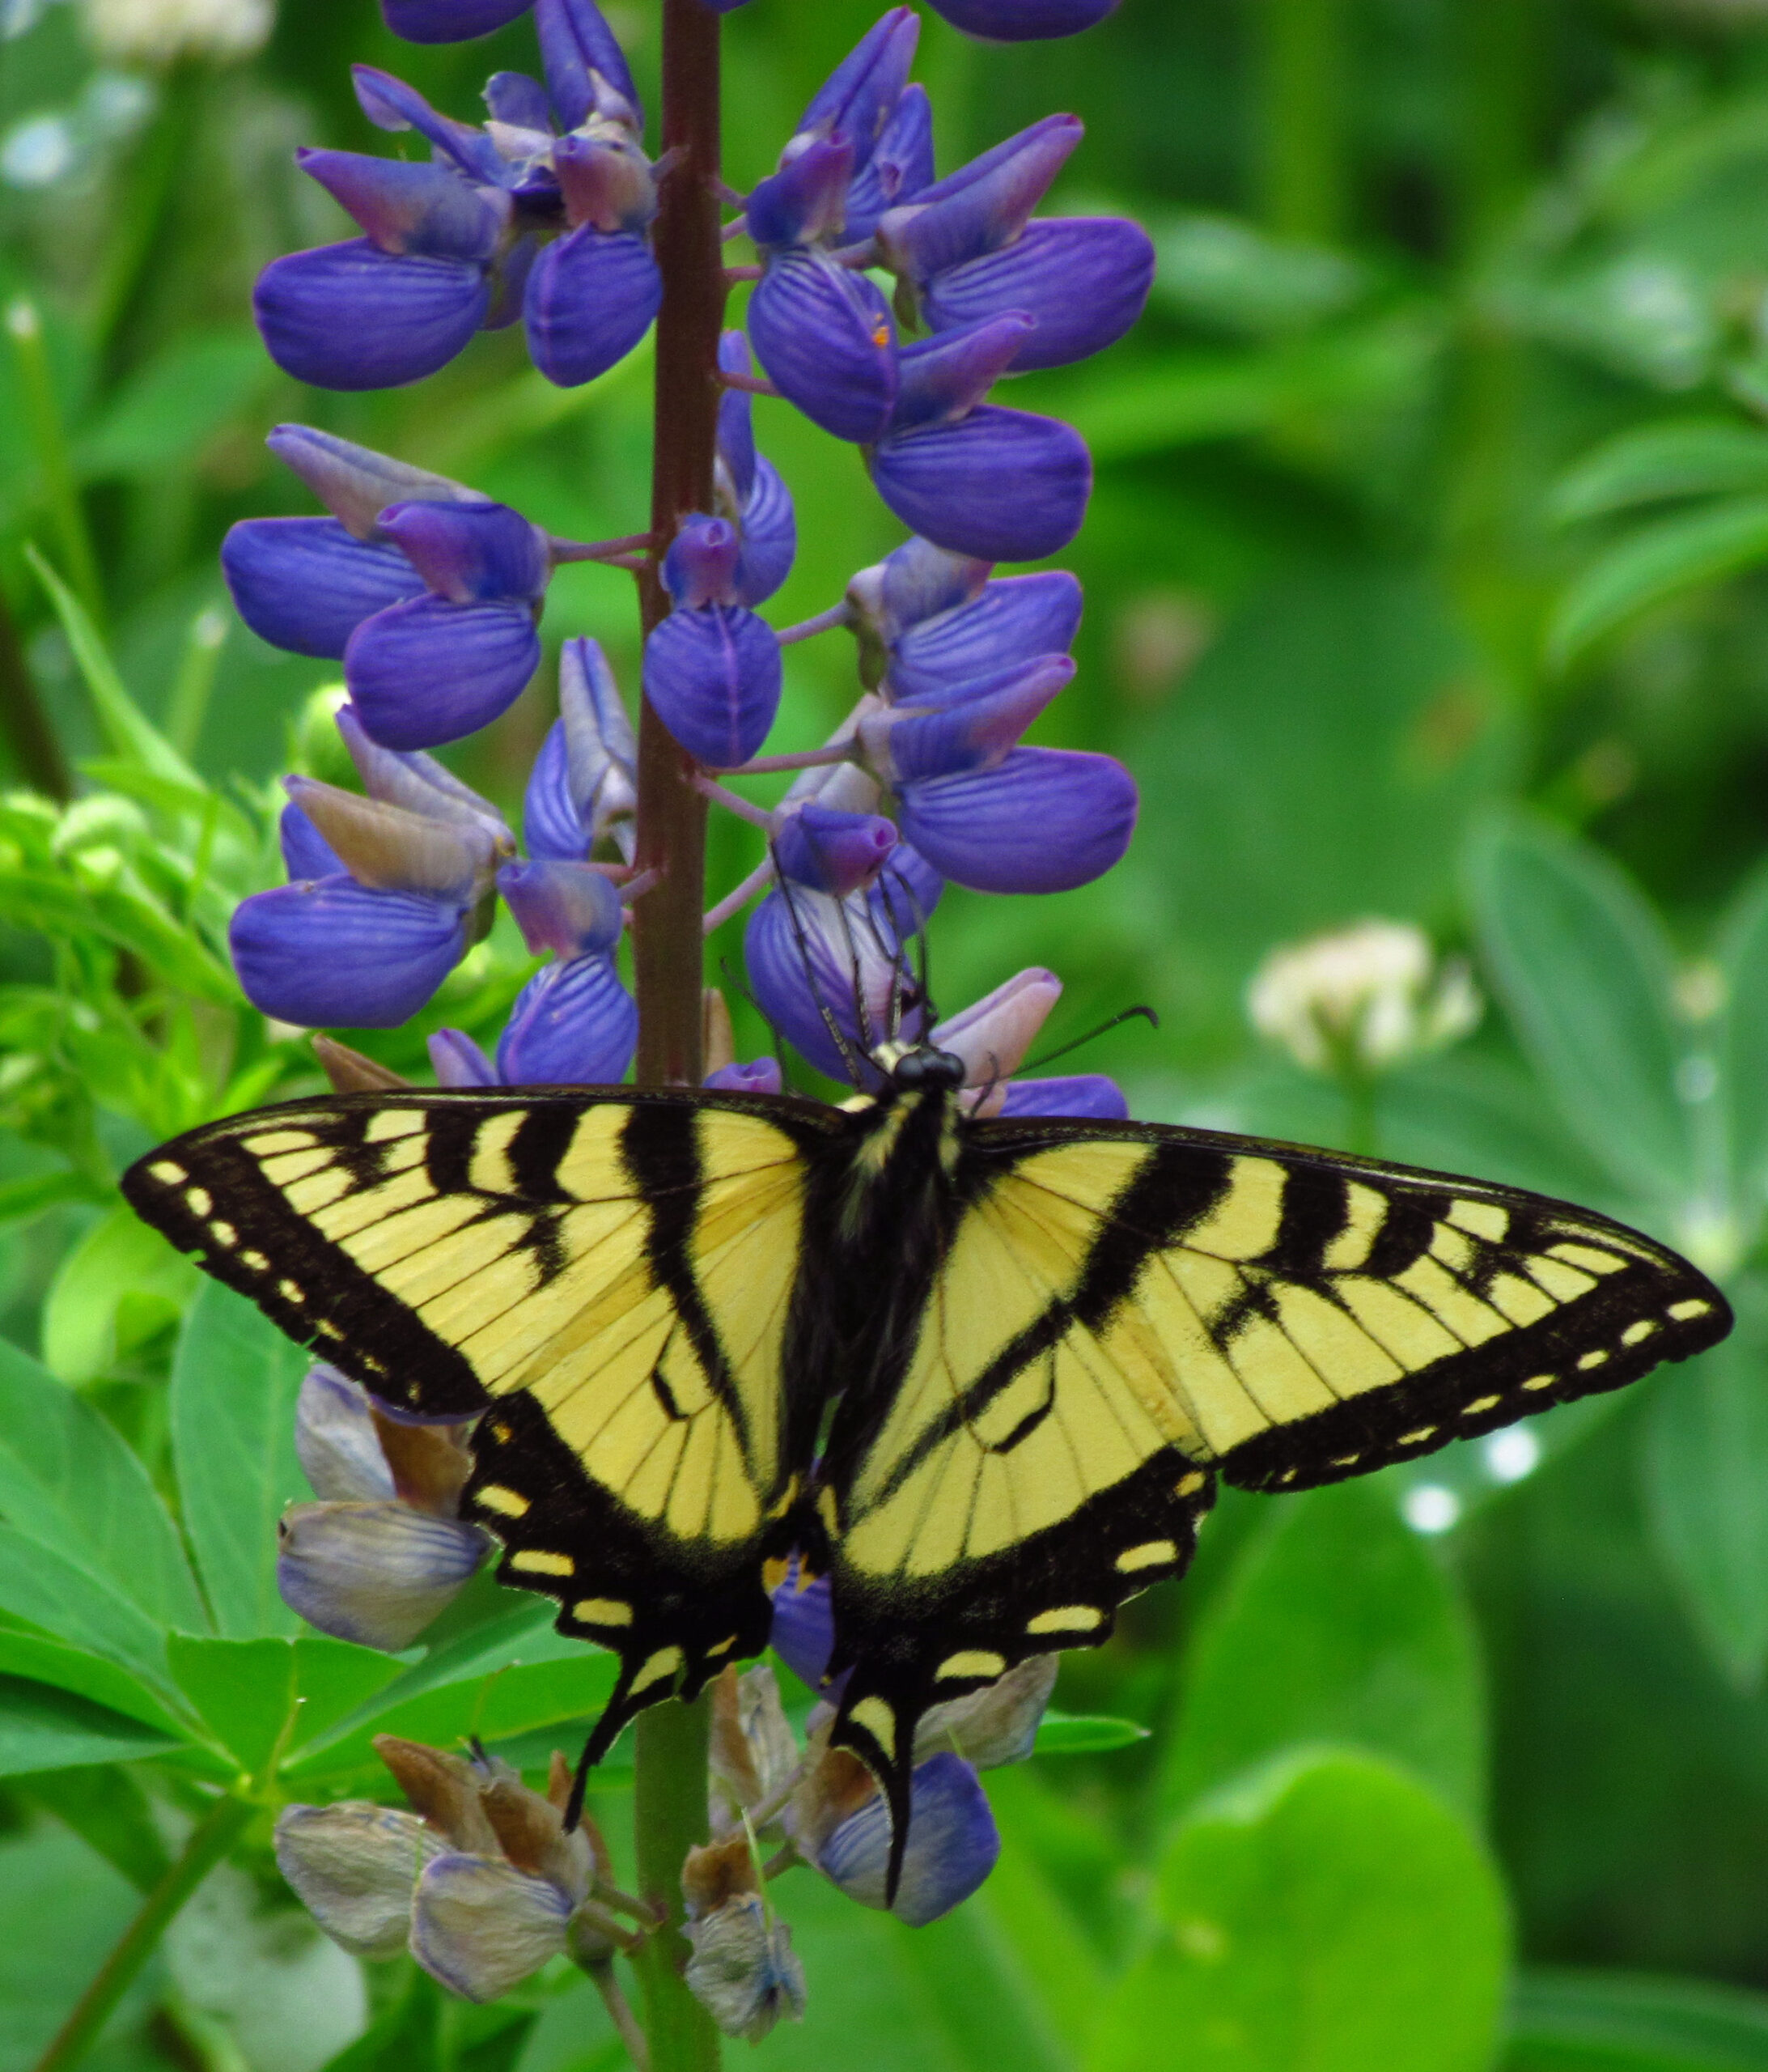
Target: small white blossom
column 1362, row 999
column 156, row 31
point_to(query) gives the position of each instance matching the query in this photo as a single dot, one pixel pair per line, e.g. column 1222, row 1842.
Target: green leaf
column 1085, row 1734
column 120, row 1286
column 126, row 727
column 234, row 1384
column 1337, row 1624
column 55, row 1593
column 40, row 1659
column 1567, row 2021
column 67, row 1478
column 44, row 1729
column 1705, row 1468
column 334, row 1680
column 1584, row 970
column 244, row 1691
column 1742, row 1045
column 1651, row 566
column 106, row 1807
column 122, row 912
column 166, row 412
column 1328, row 1913
column 1686, row 456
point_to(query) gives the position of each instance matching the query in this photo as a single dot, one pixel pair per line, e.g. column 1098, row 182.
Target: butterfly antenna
column 862, row 1011
column 849, row 1056
column 890, row 949
column 1130, row 1014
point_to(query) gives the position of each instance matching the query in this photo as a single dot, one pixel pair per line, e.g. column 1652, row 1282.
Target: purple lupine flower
column 803, row 1634
column 899, row 167
column 544, row 214
column 1088, row 1095
column 828, row 340
column 367, row 946
column 427, row 592
column 953, row 1844
column 1021, row 21
column 749, row 489
column 449, row 21
column 993, row 484
column 762, row 1076
column 830, row 851
column 928, row 620
column 574, row 1023
column 807, row 954
column 1044, row 820
column 583, row 788
column 966, row 248
column 712, row 669
column 973, row 726
column 383, row 1551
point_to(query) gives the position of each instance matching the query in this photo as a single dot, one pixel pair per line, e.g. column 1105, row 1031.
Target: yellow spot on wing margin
column 507, row 1503
column 875, row 1716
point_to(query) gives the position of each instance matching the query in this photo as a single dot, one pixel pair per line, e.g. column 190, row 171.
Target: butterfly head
column 919, row 1068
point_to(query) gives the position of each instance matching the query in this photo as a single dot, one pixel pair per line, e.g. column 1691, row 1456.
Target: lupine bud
column 827, row 342
column 993, row 1035
column 336, row 1440
column 568, row 907
column 712, row 669
column 574, row 1024
column 743, row 1971
column 952, row 1846
column 584, row 782
column 376, row 1573
column 336, row 953
column 1087, row 1095
column 1046, row 820
column 353, row 1865
column 1362, row 999
column 750, row 492
column 1020, row 21
column 576, row 45
column 762, row 1076
column 994, row 1725
column 833, row 852
column 458, row 1061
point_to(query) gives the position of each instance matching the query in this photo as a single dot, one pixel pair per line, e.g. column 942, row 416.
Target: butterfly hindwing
column 606, row 1276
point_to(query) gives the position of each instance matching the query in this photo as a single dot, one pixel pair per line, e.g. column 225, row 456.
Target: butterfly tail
column 881, row 1733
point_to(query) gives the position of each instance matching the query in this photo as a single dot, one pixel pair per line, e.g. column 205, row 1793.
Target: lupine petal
column 763, row 1077
column 334, row 954
column 944, row 378
column 995, row 1726
column 574, row 1024
column 514, row 98
column 582, row 779
column 713, row 677
column 336, row 1442
column 804, row 201
column 915, row 582
column 858, row 99
column 353, row 1866
column 1083, row 279
column 700, row 567
column 1002, row 485
column 1009, row 621
column 993, row 1034
column 736, row 420
column 355, row 483
column 376, row 1573
column 482, row 1926
column 406, row 206
column 568, row 907
column 306, row 852
column 304, row 584
column 743, row 1971
column 471, row 553
column 419, row 782
column 608, row 186
column 509, row 282
column 456, row 1060
column 448, row 21
column 1022, row 21
column 971, row 728
column 770, row 528
column 392, row 849
column 389, row 104
column 575, row 41
column 803, row 1634
column 1089, row 1094
column 429, row 671
column 983, row 205
column 352, row 316
column 827, row 341
column 1046, row 820
column 833, row 852
column 591, row 297
column 953, row 1844
column 901, row 167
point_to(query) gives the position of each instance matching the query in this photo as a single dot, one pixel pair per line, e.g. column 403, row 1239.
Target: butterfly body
column 984, row 1374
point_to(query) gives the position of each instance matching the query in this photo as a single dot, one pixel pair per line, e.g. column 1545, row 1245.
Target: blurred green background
column 1428, row 578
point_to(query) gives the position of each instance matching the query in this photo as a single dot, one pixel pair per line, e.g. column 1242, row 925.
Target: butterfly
column 985, row 1375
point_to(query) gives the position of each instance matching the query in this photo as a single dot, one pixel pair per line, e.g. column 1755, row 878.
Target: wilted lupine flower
column 1358, row 1001
column 480, row 1881
column 427, row 592
column 1003, row 21
column 743, row 1971
column 712, row 668
column 384, row 1551
column 543, row 214
column 158, row 32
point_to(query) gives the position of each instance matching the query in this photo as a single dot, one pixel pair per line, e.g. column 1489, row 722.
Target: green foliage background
column 1425, row 579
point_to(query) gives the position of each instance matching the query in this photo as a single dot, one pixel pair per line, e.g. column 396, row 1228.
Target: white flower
column 1361, row 998
column 155, row 31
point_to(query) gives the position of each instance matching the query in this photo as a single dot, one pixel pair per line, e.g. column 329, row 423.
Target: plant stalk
column 1303, row 150
column 671, row 1740
column 209, row 1841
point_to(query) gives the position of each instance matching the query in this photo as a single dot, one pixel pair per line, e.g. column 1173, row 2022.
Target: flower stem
column 671, row 1740
column 209, row 1841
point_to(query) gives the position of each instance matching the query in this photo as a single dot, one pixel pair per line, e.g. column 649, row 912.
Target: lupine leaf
column 1647, row 567
column 38, row 1657
column 55, row 1593
column 1687, row 456
column 42, row 1728
column 233, row 1386
column 1329, row 1913
column 1085, row 1734
column 1584, row 970
column 68, row 1479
